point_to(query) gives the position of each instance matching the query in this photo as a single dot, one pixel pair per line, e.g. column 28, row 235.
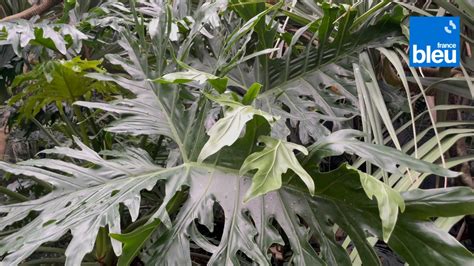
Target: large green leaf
column 248, row 228
column 143, row 114
column 311, row 88
column 421, row 205
column 83, row 200
column 340, row 198
column 401, row 241
column 57, row 82
column 309, row 101
column 385, row 157
column 156, row 109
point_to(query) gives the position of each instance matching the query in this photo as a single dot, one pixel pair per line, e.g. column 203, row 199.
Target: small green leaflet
column 252, row 93
column 133, row 241
column 272, row 162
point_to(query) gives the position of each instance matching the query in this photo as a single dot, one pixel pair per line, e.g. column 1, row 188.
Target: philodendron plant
column 241, row 136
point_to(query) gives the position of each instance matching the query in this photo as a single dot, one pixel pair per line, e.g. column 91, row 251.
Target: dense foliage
column 232, row 132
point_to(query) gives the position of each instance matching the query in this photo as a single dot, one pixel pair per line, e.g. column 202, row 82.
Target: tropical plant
column 223, row 98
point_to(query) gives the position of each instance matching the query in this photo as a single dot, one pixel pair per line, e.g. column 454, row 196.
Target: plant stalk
column 12, row 194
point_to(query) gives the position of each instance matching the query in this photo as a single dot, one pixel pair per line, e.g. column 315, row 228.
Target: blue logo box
column 435, row 42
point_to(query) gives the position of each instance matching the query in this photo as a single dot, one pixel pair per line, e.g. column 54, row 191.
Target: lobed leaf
column 228, row 129
column 272, row 162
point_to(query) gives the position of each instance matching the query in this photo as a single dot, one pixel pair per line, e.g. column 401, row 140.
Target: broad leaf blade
column 345, row 141
column 80, row 209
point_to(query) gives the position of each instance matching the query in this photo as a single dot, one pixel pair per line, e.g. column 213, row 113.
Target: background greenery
column 232, row 132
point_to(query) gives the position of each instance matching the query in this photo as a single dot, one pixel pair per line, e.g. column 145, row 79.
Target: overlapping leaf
column 87, row 198
column 83, row 200
column 311, row 100
column 345, row 141
column 156, row 108
column 228, row 129
column 21, row 33
column 310, row 88
column 248, row 227
column 57, row 82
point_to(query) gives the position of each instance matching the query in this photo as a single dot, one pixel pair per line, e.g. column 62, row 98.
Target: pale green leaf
column 272, row 162
column 228, row 129
column 388, row 201
column 251, row 93
column 191, row 74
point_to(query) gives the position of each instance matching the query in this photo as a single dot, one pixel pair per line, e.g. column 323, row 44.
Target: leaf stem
column 49, row 134
column 71, row 130
column 369, row 12
column 12, row 194
column 51, row 250
column 48, row 261
column 82, row 126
